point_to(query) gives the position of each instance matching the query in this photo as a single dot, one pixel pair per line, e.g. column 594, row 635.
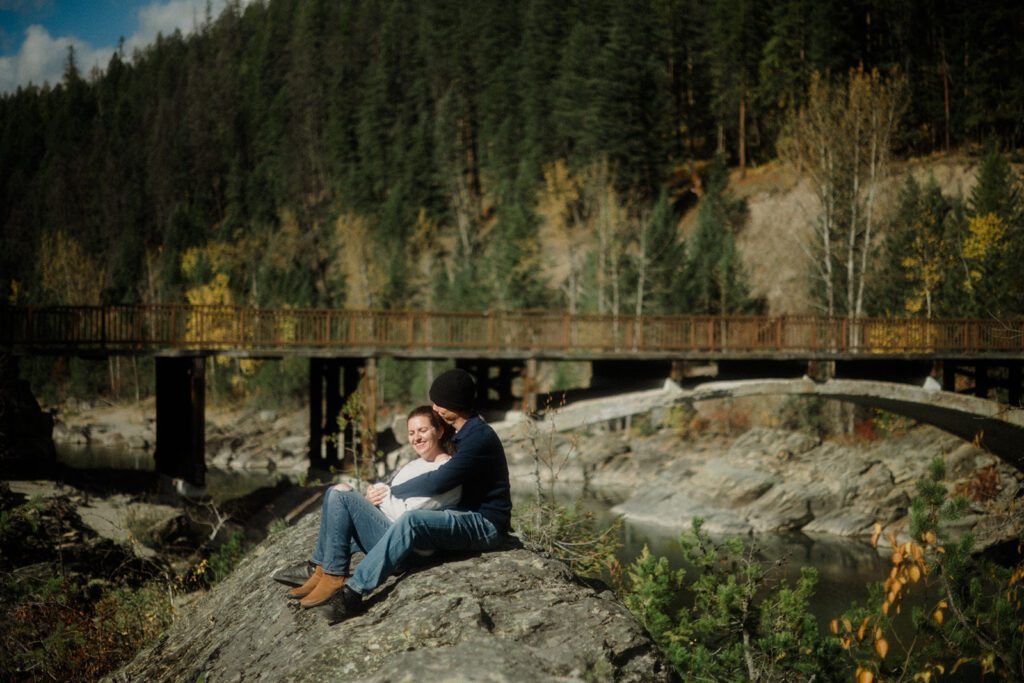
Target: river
column 845, row 566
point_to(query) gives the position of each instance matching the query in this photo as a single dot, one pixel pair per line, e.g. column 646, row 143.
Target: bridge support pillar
column 1014, row 385
column 494, row 381
column 332, row 383
column 180, row 418
column 530, row 386
column 981, row 380
column 948, row 375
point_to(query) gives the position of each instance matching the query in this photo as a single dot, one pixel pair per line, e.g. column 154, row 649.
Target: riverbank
column 729, row 463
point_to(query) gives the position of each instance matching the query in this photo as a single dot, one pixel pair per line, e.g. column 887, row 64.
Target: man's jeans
column 423, row 530
column 348, row 523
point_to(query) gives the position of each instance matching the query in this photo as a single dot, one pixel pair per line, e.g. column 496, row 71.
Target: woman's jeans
column 424, row 530
column 348, row 523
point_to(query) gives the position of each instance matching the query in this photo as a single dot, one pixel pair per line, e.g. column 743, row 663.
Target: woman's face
column 425, row 439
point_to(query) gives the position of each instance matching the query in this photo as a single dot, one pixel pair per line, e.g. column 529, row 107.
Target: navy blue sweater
column 479, row 466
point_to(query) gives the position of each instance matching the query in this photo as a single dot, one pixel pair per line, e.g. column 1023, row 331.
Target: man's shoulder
column 478, row 433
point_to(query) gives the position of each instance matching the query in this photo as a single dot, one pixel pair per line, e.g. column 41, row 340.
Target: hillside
column 775, row 243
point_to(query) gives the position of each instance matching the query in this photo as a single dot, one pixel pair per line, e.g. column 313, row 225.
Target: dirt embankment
column 777, row 244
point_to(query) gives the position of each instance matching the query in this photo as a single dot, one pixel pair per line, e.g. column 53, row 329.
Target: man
column 479, row 522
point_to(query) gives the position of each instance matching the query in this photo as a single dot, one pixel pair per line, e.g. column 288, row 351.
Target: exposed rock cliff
column 510, row 615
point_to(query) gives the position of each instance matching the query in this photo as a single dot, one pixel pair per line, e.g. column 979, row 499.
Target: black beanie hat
column 454, row 390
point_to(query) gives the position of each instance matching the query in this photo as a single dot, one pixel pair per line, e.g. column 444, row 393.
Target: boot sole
column 318, row 602
column 322, row 601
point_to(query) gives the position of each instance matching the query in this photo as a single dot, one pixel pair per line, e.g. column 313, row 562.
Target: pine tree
column 630, row 108
column 713, row 269
column 735, row 36
column 993, row 242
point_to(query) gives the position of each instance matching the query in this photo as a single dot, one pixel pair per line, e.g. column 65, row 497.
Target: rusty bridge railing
column 152, row 328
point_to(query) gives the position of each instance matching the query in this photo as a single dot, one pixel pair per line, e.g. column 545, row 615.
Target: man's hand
column 377, row 493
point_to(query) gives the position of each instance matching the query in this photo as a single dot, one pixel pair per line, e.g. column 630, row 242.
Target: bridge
column 995, row 427
column 983, row 357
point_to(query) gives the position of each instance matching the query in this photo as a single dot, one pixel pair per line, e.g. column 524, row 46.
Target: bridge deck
column 186, row 330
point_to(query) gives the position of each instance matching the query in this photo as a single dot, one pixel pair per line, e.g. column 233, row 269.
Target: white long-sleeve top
column 394, row 507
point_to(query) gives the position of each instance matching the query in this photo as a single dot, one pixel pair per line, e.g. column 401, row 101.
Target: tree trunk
column 743, row 134
column 945, row 93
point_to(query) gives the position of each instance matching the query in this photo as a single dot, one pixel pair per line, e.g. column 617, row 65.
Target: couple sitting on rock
column 461, row 464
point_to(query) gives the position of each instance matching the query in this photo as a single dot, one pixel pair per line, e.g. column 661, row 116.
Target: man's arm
column 453, row 473
column 393, row 506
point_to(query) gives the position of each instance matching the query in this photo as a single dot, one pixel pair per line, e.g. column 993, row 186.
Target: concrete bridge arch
column 996, row 427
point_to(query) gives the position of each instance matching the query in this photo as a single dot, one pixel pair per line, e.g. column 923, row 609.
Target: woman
column 350, row 521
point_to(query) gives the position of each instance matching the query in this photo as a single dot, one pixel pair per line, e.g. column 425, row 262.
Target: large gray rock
column 770, row 479
column 510, row 615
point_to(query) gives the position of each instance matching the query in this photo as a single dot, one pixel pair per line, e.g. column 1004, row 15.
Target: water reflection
column 221, row 485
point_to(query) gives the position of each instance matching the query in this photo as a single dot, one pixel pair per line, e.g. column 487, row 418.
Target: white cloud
column 165, row 18
column 41, row 57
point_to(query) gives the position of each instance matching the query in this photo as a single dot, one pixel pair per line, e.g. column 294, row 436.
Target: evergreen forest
column 513, row 154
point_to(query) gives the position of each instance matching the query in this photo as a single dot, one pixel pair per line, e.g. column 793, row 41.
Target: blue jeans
column 348, row 522
column 423, row 530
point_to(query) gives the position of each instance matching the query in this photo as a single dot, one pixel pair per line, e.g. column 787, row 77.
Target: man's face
column 445, row 414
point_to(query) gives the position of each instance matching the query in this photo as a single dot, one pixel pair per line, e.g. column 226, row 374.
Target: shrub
column 566, row 532
column 224, row 559
column 969, row 609
column 742, row 623
column 67, row 628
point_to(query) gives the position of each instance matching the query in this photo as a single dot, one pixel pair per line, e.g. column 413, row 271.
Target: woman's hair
column 437, row 423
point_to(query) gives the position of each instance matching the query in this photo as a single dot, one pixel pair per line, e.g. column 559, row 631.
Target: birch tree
column 841, row 142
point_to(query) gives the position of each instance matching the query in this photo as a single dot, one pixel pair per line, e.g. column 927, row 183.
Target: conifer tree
column 713, row 269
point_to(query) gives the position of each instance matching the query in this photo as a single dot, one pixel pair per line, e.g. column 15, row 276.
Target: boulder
column 509, row 615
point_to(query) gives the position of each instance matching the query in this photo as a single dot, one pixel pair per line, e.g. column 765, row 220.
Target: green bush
column 742, row 623
column 224, row 559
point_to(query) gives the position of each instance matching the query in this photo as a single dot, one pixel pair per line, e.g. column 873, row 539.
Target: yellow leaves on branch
column 926, row 265
column 215, row 292
column 986, row 238
column 985, row 235
column 909, row 566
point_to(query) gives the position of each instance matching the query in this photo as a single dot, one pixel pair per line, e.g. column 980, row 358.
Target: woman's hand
column 377, row 493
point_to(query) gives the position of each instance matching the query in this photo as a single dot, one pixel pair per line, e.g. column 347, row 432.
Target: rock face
column 510, row 615
column 771, row 479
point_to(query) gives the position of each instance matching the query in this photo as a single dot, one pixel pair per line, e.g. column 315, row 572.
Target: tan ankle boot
column 328, row 585
column 307, row 588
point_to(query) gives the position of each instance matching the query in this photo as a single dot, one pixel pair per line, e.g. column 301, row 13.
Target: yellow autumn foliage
column 360, row 260
column 68, row 274
column 986, row 237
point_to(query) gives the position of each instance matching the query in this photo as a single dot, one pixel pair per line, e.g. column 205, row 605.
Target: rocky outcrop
column 775, row 480
column 510, row 615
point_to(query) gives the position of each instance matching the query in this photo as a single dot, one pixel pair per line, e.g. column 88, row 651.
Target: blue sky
column 35, row 34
